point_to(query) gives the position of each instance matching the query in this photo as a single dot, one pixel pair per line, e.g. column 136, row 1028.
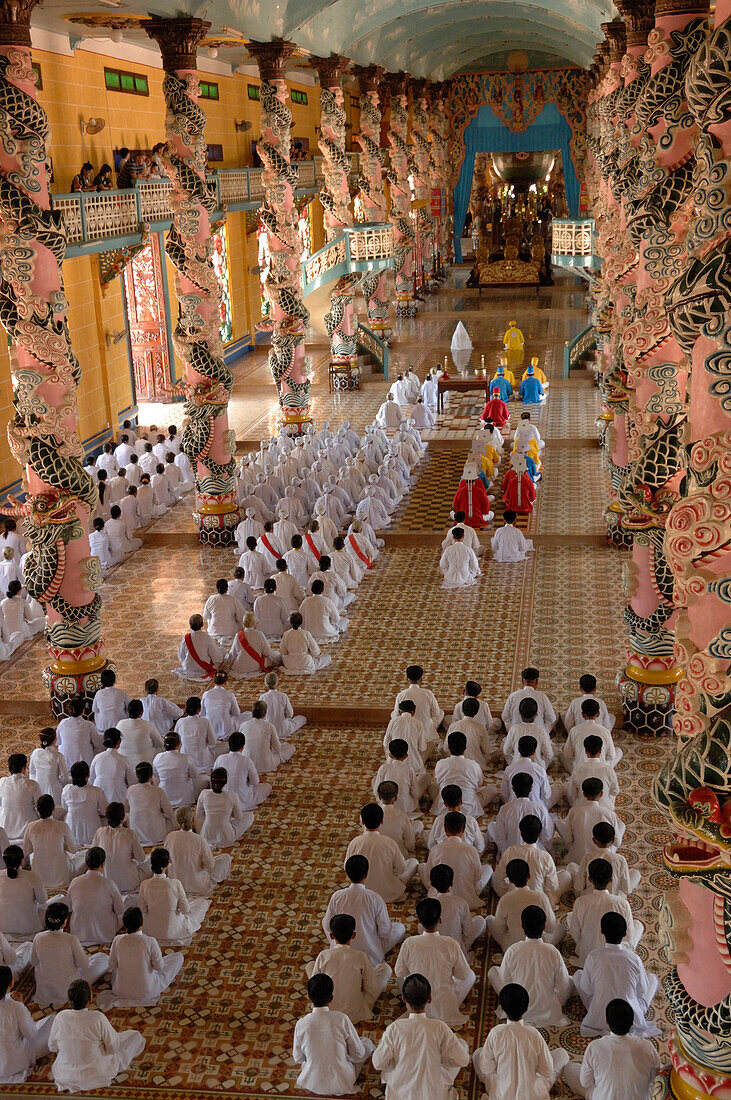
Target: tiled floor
column 225, row 1027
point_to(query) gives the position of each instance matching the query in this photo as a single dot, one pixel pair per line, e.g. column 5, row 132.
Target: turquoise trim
column 347, row 266
column 168, row 316
column 104, row 244
column 381, row 352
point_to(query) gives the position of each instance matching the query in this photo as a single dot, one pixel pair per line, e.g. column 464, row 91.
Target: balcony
column 573, row 242
column 358, row 249
column 96, row 221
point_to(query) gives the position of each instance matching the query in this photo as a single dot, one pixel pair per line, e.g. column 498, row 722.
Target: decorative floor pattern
column 225, row 1028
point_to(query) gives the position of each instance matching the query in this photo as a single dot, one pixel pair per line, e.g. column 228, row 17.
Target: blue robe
column 531, row 391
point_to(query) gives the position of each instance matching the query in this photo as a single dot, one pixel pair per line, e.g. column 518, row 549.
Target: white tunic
column 224, row 615
column 219, row 706
column 263, row 746
column 584, row 921
column 576, row 828
column 624, row 881
column 510, row 544
column 543, row 874
column 470, row 876
column 407, row 728
column 141, row 740
column 330, row 1052
column 150, row 814
column 280, row 712
column 472, row 834
column 357, row 982
column 540, row 969
column 85, row 810
column 18, row 798
column 242, row 665
column 197, row 739
column 300, row 652
column 409, row 786
column 112, row 773
column 619, row 1067
column 506, row 927
column 546, row 714
column 480, row 745
column 543, row 754
column 125, row 863
column 466, row 774
column 59, row 959
column 428, row 710
column 418, row 1058
column 48, row 768
column 22, row 1040
column 614, row 971
column 515, row 1062
column 77, row 739
column 386, row 864
column 243, row 779
column 573, row 713
column 22, row 904
column 321, row 618
column 96, row 908
column 220, row 819
column 459, row 566
column 208, row 651
column 442, row 962
column 592, row 768
column 574, row 748
column 375, row 933
column 139, row 971
column 505, row 829
column 530, row 766
column 90, row 1052
column 49, row 845
column 179, row 777
column 168, row 914
column 193, row 863
column 272, row 618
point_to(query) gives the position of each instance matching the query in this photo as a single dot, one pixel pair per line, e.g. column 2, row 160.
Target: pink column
column 422, row 181
column 398, row 177
column 207, row 440
column 439, row 172
column 340, row 321
column 43, row 433
column 372, row 191
column 279, row 215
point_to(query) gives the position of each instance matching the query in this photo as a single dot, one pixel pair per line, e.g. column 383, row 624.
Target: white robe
column 472, row 834
column 109, row 708
column 193, row 863
column 22, row 1040
column 466, row 774
column 543, row 875
column 48, row 768
column 220, row 819
column 616, row 1067
column 470, row 876
column 263, row 746
column 322, row 619
column 614, row 971
column 358, row 983
column 179, row 777
column 543, row 754
column 58, row 960
column 577, row 827
column 510, row 544
column 243, row 779
column 375, row 933
column 197, row 739
column 208, row 650
column 505, row 926
column 584, row 921
column 624, row 880
column 505, row 829
column 428, row 710
column 546, row 714
column 515, row 1062
column 300, row 652
column 96, row 908
column 442, row 962
column 18, row 798
column 50, row 847
column 224, row 615
column 150, row 813
column 271, row 616
column 330, row 1052
column 573, row 713
column 241, row 665
column 418, row 1058
column 168, row 914
column 125, row 864
column 112, row 773
column 540, row 969
column 77, row 739
column 281, row 714
column 90, row 1052
column 388, row 871
column 139, row 971
column 85, row 810
column 22, row 905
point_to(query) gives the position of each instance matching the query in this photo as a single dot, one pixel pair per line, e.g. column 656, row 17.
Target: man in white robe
column 588, row 685
column 389, row 416
column 375, row 933
column 458, row 563
column 441, row 961
column 469, row 536
column 388, row 871
column 223, row 614
column 506, row 925
column 611, row 971
column 419, row 1057
column 585, row 919
column 321, row 617
column 515, row 1060
column 428, row 711
column 619, row 1066
column 299, row 651
column 539, row 968
column 470, row 876
column 357, row 982
column 326, row 1045
column 89, row 1052
column 546, row 714
column 508, row 543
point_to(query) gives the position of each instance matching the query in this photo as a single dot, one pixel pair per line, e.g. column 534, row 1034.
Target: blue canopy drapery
column 487, row 134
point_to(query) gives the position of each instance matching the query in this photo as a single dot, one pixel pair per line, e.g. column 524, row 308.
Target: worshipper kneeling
column 471, row 497
column 199, row 654
column 508, row 543
column 458, row 563
column 89, row 1052
column 23, row 1040
column 358, row 984
column 299, row 651
column 326, row 1044
column 618, row 1064
column 140, row 972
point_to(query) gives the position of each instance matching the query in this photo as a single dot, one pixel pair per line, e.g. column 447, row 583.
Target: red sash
column 270, row 548
column 366, row 561
column 247, row 648
column 313, row 548
column 207, row 666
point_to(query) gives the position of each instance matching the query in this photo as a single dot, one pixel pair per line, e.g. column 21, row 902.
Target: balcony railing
column 572, row 242
column 359, row 248
column 92, row 216
column 319, row 171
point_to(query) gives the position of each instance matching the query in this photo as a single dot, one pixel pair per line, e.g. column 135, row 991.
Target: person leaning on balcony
column 103, row 179
column 83, row 181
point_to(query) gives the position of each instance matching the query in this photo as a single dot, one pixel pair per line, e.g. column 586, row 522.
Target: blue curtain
column 487, row 134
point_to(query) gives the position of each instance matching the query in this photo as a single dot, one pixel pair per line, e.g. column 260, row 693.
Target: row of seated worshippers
column 21, row 617
column 406, row 391
column 114, row 834
column 419, row 1054
column 138, row 480
column 296, row 599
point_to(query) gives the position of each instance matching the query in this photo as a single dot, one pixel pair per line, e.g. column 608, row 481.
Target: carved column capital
column 370, row 77
column 395, row 84
column 272, row 57
column 178, row 40
column 616, row 38
column 639, row 19
column 15, row 22
column 420, row 89
column 330, row 69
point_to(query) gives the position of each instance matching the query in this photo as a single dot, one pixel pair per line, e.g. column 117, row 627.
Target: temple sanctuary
column 365, row 549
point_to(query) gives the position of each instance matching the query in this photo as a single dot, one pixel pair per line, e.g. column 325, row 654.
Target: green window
column 253, row 90
column 208, row 90
column 299, row 97
column 119, row 80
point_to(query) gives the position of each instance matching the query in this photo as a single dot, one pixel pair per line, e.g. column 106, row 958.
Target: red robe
column 480, row 504
column 497, row 411
column 511, row 487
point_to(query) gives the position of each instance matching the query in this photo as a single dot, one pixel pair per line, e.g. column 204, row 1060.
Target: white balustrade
column 572, row 238
column 110, row 214
column 155, row 200
column 371, row 243
column 234, row 185
column 70, row 207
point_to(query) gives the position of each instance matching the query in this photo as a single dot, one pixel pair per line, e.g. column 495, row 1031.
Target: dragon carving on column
column 438, row 154
column 658, row 214
column 398, row 177
column 422, row 185
column 43, row 432
column 206, row 439
column 283, row 278
column 335, row 199
column 372, row 193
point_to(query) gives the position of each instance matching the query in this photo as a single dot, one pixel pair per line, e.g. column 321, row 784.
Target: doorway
column 144, row 295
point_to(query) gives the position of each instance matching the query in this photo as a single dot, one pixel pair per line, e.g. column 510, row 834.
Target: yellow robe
column 537, row 373
column 489, row 460
column 513, row 339
column 508, row 374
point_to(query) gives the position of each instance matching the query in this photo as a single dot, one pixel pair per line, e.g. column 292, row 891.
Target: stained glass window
column 263, row 257
column 220, row 265
column 305, row 231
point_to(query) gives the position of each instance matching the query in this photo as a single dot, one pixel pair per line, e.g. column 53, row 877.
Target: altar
column 471, row 381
